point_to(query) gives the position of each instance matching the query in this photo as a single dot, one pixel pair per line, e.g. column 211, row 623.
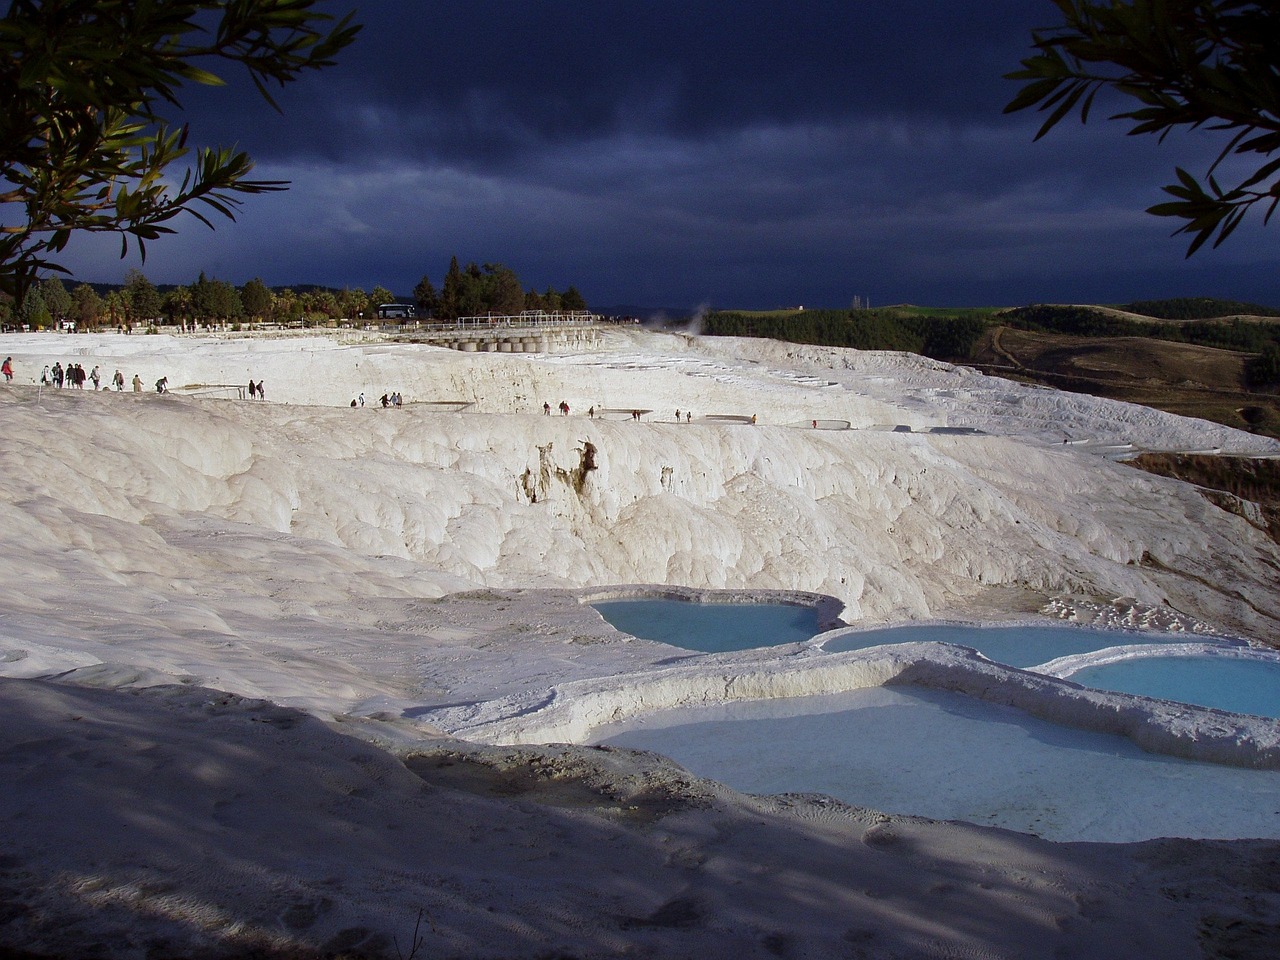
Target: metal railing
column 524, row 319
column 495, row 323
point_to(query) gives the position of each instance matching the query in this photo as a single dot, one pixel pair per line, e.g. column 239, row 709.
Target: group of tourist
column 73, row 375
column 687, row 415
column 391, row 398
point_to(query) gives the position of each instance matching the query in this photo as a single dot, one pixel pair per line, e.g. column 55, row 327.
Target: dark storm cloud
column 486, row 82
column 558, row 71
column 677, row 153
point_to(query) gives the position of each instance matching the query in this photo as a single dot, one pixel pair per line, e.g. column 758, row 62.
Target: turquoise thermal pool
column 1237, row 684
column 950, row 757
column 711, row 627
column 1018, row 646
column 916, row 750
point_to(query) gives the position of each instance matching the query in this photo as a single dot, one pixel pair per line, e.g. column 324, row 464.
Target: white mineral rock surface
column 276, row 674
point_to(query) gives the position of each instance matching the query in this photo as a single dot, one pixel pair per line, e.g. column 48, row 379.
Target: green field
column 911, row 310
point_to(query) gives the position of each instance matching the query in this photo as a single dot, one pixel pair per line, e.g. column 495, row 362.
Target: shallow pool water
column 1240, row 685
column 947, row 756
column 1019, row 646
column 711, row 627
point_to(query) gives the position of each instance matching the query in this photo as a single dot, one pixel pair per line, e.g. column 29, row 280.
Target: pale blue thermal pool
column 948, row 756
column 723, row 627
column 1019, row 646
column 1242, row 685
column 1239, row 685
column 944, row 755
column 711, row 627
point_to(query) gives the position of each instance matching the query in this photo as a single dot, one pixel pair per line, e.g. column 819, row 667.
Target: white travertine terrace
column 225, row 623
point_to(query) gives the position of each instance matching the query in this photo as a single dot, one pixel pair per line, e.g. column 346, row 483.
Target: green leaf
column 84, row 142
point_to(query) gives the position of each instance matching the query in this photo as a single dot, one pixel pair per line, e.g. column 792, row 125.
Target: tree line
column 1198, row 308
column 1247, row 336
column 474, row 290
column 138, row 301
column 1258, row 337
column 938, row 337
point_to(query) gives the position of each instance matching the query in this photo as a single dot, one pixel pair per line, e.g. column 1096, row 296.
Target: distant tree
column 1198, row 308
column 571, row 299
column 215, row 300
column 226, row 301
column 380, row 295
column 84, row 141
column 115, row 308
column 1189, row 64
column 490, row 289
column 142, row 297
column 472, row 300
column 951, row 338
column 353, row 303
column 203, row 298
column 1076, row 321
column 56, row 299
column 501, row 292
column 178, row 305
column 32, row 310
column 451, row 292
column 87, row 307
column 426, row 298
column 256, row 299
column 286, row 305
column 321, row 305
column 1264, row 369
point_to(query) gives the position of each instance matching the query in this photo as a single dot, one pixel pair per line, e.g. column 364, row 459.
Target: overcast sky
column 750, row 154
